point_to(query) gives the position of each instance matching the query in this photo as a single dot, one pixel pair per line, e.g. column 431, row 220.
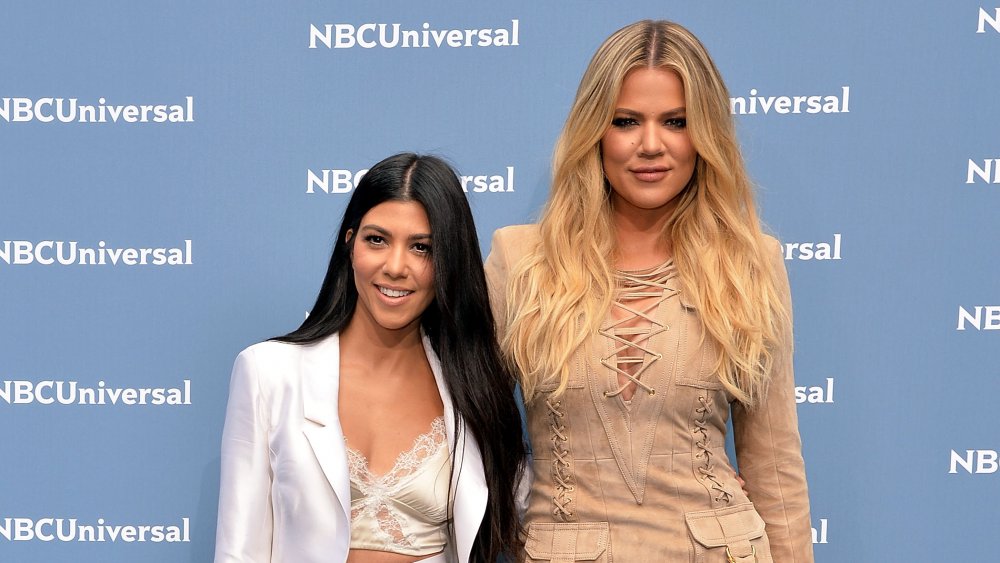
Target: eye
column 676, row 123
column 624, row 122
column 375, row 240
column 422, row 248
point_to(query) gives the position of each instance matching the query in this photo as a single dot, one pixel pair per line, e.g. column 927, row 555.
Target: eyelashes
column 380, row 241
column 623, row 122
column 628, row 122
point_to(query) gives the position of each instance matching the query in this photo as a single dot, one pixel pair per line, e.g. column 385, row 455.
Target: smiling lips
column 649, row 173
column 393, row 293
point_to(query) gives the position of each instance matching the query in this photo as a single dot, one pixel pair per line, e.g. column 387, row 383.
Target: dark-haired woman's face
column 393, row 270
column 647, row 154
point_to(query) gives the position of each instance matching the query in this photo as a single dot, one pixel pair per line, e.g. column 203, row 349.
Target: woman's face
column 393, row 270
column 647, row 154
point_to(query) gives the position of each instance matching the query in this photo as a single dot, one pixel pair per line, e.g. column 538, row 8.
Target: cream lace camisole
column 405, row 510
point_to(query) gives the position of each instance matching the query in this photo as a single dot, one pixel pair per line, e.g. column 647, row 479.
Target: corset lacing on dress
column 640, row 293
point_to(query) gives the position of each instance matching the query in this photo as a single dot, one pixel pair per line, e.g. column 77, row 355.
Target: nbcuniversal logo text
column 975, row 462
column 815, row 394
column 340, row 181
column 819, row 534
column 71, row 530
column 986, row 19
column 68, row 110
column 988, row 173
column 825, row 250
column 755, row 104
column 979, row 318
column 393, row 35
column 55, row 392
column 70, row 253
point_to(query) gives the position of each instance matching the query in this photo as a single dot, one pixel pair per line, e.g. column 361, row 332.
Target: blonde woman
column 643, row 311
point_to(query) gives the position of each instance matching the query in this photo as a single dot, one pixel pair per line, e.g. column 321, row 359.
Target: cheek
column 684, row 148
column 426, row 276
column 362, row 265
column 614, row 148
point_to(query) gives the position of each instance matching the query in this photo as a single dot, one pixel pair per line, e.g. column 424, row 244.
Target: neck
column 640, row 238
column 364, row 341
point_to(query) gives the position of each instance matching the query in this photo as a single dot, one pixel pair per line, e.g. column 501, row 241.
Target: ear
column 348, row 239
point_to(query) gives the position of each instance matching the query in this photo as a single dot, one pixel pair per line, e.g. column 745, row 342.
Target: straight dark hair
column 459, row 324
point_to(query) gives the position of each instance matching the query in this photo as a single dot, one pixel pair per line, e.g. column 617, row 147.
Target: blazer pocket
column 734, row 534
column 564, row 543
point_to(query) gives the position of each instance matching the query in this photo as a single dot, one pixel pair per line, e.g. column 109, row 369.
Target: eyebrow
column 669, row 113
column 386, row 233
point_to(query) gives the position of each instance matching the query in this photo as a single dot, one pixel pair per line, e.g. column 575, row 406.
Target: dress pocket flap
column 724, row 526
column 584, row 541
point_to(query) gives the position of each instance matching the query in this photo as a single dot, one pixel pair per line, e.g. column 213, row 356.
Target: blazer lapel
column 468, row 478
column 320, row 371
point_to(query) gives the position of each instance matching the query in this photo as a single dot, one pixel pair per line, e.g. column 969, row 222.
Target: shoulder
column 770, row 244
column 772, row 251
column 273, row 364
column 515, row 241
column 269, row 352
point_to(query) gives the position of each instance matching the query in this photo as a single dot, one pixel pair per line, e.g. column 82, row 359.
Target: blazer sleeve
column 769, row 451
column 245, row 522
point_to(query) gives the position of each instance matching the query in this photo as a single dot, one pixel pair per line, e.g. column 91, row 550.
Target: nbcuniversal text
column 70, row 253
column 392, row 35
column 343, row 181
column 71, row 530
column 69, row 110
column 59, row 392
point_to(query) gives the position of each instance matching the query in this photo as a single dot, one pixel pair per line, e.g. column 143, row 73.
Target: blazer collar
column 320, row 379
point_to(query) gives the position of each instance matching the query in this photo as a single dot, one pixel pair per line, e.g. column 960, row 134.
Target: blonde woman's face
column 646, row 152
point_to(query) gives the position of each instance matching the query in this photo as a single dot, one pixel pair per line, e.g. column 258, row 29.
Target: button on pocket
column 735, row 534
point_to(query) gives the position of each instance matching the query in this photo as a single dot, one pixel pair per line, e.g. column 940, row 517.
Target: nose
column 396, row 265
column 651, row 142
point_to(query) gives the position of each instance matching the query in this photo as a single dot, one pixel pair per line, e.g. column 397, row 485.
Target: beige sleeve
column 769, row 451
column 497, row 269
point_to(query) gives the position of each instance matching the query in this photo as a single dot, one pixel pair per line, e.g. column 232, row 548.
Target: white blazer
column 284, row 495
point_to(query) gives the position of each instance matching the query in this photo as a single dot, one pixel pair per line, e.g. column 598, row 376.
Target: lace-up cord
column 703, row 442
column 378, row 489
column 636, row 286
column 561, row 460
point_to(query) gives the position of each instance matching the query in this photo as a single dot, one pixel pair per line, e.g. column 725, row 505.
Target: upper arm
column 497, row 270
column 768, row 446
column 245, row 518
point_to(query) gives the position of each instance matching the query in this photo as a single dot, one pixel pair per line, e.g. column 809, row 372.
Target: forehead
column 403, row 216
column 651, row 85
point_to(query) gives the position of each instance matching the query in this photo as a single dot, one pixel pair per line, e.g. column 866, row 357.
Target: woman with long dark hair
column 385, row 428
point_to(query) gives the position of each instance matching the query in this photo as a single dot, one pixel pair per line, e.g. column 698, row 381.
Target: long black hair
column 459, row 324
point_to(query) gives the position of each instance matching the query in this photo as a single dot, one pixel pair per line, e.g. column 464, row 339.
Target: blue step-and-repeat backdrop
column 172, row 175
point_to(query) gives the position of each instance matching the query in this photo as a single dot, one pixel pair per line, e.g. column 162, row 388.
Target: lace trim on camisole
column 640, row 292
column 406, row 509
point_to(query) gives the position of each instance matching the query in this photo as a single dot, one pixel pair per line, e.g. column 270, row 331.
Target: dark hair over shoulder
column 459, row 324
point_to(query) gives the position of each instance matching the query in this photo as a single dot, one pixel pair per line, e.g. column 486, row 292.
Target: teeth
column 393, row 292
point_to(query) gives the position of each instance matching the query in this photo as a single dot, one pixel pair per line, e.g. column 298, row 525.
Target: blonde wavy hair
column 559, row 294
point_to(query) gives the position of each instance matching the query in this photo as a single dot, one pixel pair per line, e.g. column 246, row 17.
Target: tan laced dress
column 629, row 463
